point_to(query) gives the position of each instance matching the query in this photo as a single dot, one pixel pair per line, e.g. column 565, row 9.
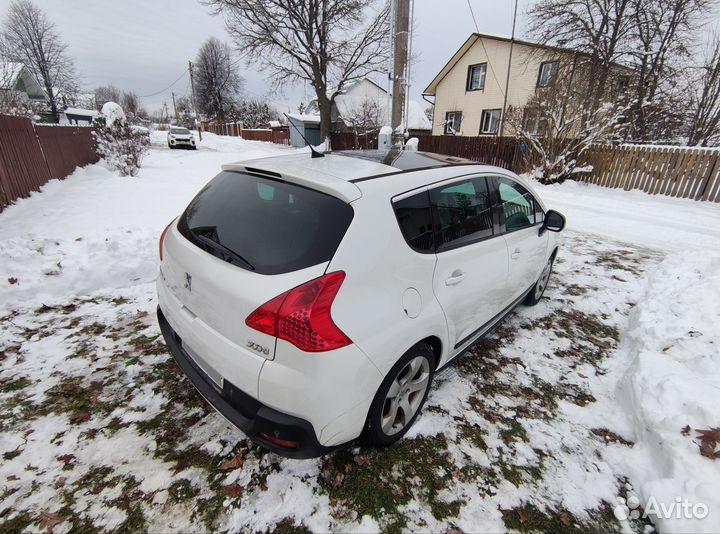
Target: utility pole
column 400, row 55
column 192, row 87
column 174, row 106
column 507, row 77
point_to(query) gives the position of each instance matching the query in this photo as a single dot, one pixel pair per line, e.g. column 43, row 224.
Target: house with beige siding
column 474, row 89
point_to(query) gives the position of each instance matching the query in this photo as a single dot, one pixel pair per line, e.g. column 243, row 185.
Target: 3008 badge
column 258, row 348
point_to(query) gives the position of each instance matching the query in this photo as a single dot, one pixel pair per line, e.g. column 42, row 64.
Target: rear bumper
column 242, row 410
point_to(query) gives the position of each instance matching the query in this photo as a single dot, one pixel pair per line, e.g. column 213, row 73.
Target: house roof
column 11, row 72
column 310, row 119
column 81, row 112
column 474, row 37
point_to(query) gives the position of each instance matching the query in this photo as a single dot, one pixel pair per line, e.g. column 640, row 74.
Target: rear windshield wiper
column 227, row 254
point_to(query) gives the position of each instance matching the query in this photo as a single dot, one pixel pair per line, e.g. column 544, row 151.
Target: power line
column 168, row 87
column 482, row 42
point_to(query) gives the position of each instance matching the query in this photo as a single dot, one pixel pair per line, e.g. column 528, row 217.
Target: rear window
column 263, row 225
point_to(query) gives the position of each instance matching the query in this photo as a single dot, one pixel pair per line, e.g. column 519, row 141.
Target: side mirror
column 554, row 221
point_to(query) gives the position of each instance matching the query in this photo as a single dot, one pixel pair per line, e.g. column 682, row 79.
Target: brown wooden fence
column 350, row 141
column 279, row 136
column 685, row 172
column 66, row 147
column 30, row 155
column 500, row 151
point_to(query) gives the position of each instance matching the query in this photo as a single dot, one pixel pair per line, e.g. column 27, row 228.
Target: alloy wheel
column 543, row 280
column 405, row 395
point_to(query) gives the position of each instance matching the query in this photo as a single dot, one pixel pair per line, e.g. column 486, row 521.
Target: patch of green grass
column 11, row 454
column 148, row 345
column 529, row 518
column 93, row 329
column 131, row 502
column 17, row 523
column 182, row 490
column 14, row 385
column 513, row 431
column 377, row 481
column 73, row 396
column 288, row 526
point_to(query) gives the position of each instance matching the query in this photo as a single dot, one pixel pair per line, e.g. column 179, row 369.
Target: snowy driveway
column 540, row 427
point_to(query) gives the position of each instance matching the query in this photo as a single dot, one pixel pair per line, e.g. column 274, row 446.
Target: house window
column 453, row 120
column 476, row 77
column 534, row 122
column 490, row 121
column 623, row 83
column 548, row 73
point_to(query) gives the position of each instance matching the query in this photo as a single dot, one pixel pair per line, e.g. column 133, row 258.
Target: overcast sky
column 144, row 46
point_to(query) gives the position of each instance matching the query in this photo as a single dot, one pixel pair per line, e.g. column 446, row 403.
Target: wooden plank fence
column 66, row 147
column 31, row 155
column 684, row 172
column 491, row 150
column 280, row 136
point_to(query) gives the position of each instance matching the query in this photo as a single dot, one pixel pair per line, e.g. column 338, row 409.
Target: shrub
column 122, row 147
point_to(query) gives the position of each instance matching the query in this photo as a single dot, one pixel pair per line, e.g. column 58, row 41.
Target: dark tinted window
column 265, row 225
column 463, row 213
column 517, row 205
column 415, row 219
column 180, row 131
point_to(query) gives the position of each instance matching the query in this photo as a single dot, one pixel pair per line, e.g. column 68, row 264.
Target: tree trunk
column 53, row 103
column 325, row 107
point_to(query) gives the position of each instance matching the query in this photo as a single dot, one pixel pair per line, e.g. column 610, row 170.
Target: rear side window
column 415, row 220
column 517, row 205
column 267, row 226
column 463, row 212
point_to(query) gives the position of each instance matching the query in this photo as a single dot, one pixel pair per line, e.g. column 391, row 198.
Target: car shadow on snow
column 96, row 418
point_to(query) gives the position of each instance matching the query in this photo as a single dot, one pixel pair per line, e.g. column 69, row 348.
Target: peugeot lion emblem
column 188, row 282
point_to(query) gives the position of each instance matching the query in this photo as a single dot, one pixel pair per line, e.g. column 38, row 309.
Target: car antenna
column 315, row 153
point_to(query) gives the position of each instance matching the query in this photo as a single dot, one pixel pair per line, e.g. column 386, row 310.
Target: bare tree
column 364, row 119
column 326, row 42
column 129, row 102
column 185, row 116
column 217, row 84
column 555, row 128
column 254, row 113
column 704, row 128
column 106, row 93
column 429, row 112
column 600, row 29
column 664, row 31
column 28, row 36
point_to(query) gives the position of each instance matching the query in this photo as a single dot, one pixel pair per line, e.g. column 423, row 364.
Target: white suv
column 180, row 137
column 311, row 300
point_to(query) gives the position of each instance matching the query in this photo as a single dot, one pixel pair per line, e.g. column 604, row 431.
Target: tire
column 538, row 289
column 170, row 146
column 387, row 422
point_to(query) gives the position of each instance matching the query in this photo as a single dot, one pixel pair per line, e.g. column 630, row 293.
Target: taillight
column 284, row 443
column 302, row 315
column 162, row 237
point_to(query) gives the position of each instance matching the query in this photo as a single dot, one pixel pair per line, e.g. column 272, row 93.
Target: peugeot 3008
column 311, row 300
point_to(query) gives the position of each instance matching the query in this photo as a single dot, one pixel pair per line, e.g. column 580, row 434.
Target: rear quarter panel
column 380, row 266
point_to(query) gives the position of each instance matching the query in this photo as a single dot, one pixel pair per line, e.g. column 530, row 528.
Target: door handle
column 455, row 278
column 515, row 254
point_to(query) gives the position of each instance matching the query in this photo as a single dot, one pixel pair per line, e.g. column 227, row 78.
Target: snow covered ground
column 594, row 395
